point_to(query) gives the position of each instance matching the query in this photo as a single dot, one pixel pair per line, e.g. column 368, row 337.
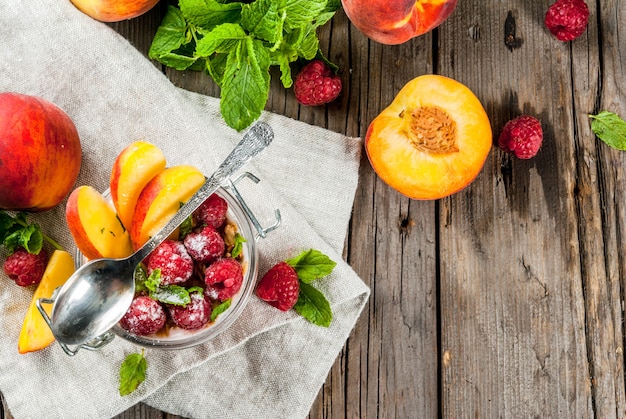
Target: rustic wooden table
column 506, row 299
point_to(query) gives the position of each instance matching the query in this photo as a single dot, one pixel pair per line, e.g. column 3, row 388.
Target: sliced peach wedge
column 161, row 199
column 35, row 334
column 432, row 140
column 133, row 168
column 94, row 225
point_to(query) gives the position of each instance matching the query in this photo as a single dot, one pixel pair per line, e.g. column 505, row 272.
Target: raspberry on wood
column 316, row 84
column 521, row 136
column 567, row 19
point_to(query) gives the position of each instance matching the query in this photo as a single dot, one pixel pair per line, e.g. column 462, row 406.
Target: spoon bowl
column 99, row 293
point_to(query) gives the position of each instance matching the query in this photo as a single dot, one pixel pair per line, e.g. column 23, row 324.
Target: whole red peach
column 396, row 21
column 114, row 10
column 40, row 153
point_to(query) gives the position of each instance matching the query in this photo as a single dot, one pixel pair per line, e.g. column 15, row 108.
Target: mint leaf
column 170, row 35
column 238, row 246
column 132, row 373
column 18, row 232
column 186, row 227
column 171, row 294
column 236, row 43
column 301, row 12
column 216, row 66
column 313, row 306
column 309, row 45
column 219, row 309
column 209, row 13
column 610, row 128
column 311, row 265
column 261, row 18
column 152, row 282
column 222, row 39
column 245, row 84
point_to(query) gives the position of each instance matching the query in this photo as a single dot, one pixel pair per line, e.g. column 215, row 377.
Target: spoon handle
column 259, row 136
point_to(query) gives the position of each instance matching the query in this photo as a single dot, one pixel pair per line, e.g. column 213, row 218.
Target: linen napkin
column 269, row 363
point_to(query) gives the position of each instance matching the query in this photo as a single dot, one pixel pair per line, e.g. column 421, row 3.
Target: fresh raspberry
column 172, row 259
column 316, row 84
column 211, row 212
column 145, row 316
column 223, row 279
column 26, row 268
column 521, row 136
column 279, row 286
column 192, row 316
column 204, row 245
column 567, row 19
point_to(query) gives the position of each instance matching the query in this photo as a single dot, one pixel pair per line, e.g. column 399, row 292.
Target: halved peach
column 94, row 225
column 432, row 140
column 35, row 334
column 133, row 168
column 161, row 199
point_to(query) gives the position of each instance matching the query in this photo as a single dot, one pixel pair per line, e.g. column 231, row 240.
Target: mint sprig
column 237, row 246
column 132, row 373
column 220, row 308
column 311, row 265
column 237, row 43
column 167, row 294
column 16, row 231
column 610, row 128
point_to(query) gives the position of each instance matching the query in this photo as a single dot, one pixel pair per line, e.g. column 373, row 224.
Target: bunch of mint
column 236, row 43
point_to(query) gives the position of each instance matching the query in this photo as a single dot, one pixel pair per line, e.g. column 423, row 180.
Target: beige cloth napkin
column 270, row 363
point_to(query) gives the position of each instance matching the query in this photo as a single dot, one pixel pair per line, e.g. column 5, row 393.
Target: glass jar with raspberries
column 194, row 286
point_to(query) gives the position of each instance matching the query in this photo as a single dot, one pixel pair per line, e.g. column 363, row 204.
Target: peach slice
column 161, row 199
column 432, row 140
column 35, row 334
column 133, row 168
column 94, row 225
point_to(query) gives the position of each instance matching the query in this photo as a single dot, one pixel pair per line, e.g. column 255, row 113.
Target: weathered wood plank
column 599, row 86
column 513, row 319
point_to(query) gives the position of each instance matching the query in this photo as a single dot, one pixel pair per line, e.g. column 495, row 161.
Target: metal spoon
column 98, row 294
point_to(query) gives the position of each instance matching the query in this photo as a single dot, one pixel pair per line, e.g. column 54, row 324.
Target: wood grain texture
column 506, row 299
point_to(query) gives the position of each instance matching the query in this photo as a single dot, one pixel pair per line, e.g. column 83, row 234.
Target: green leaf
column 216, row 66
column 177, row 61
column 223, row 39
column 310, row 44
column 209, row 13
column 610, row 128
column 246, row 84
column 152, row 282
column 186, row 227
column 261, row 19
column 132, row 373
column 220, row 308
column 311, row 265
column 238, row 246
column 301, row 12
column 29, row 237
column 18, row 232
column 170, row 35
column 313, row 306
column 171, row 294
